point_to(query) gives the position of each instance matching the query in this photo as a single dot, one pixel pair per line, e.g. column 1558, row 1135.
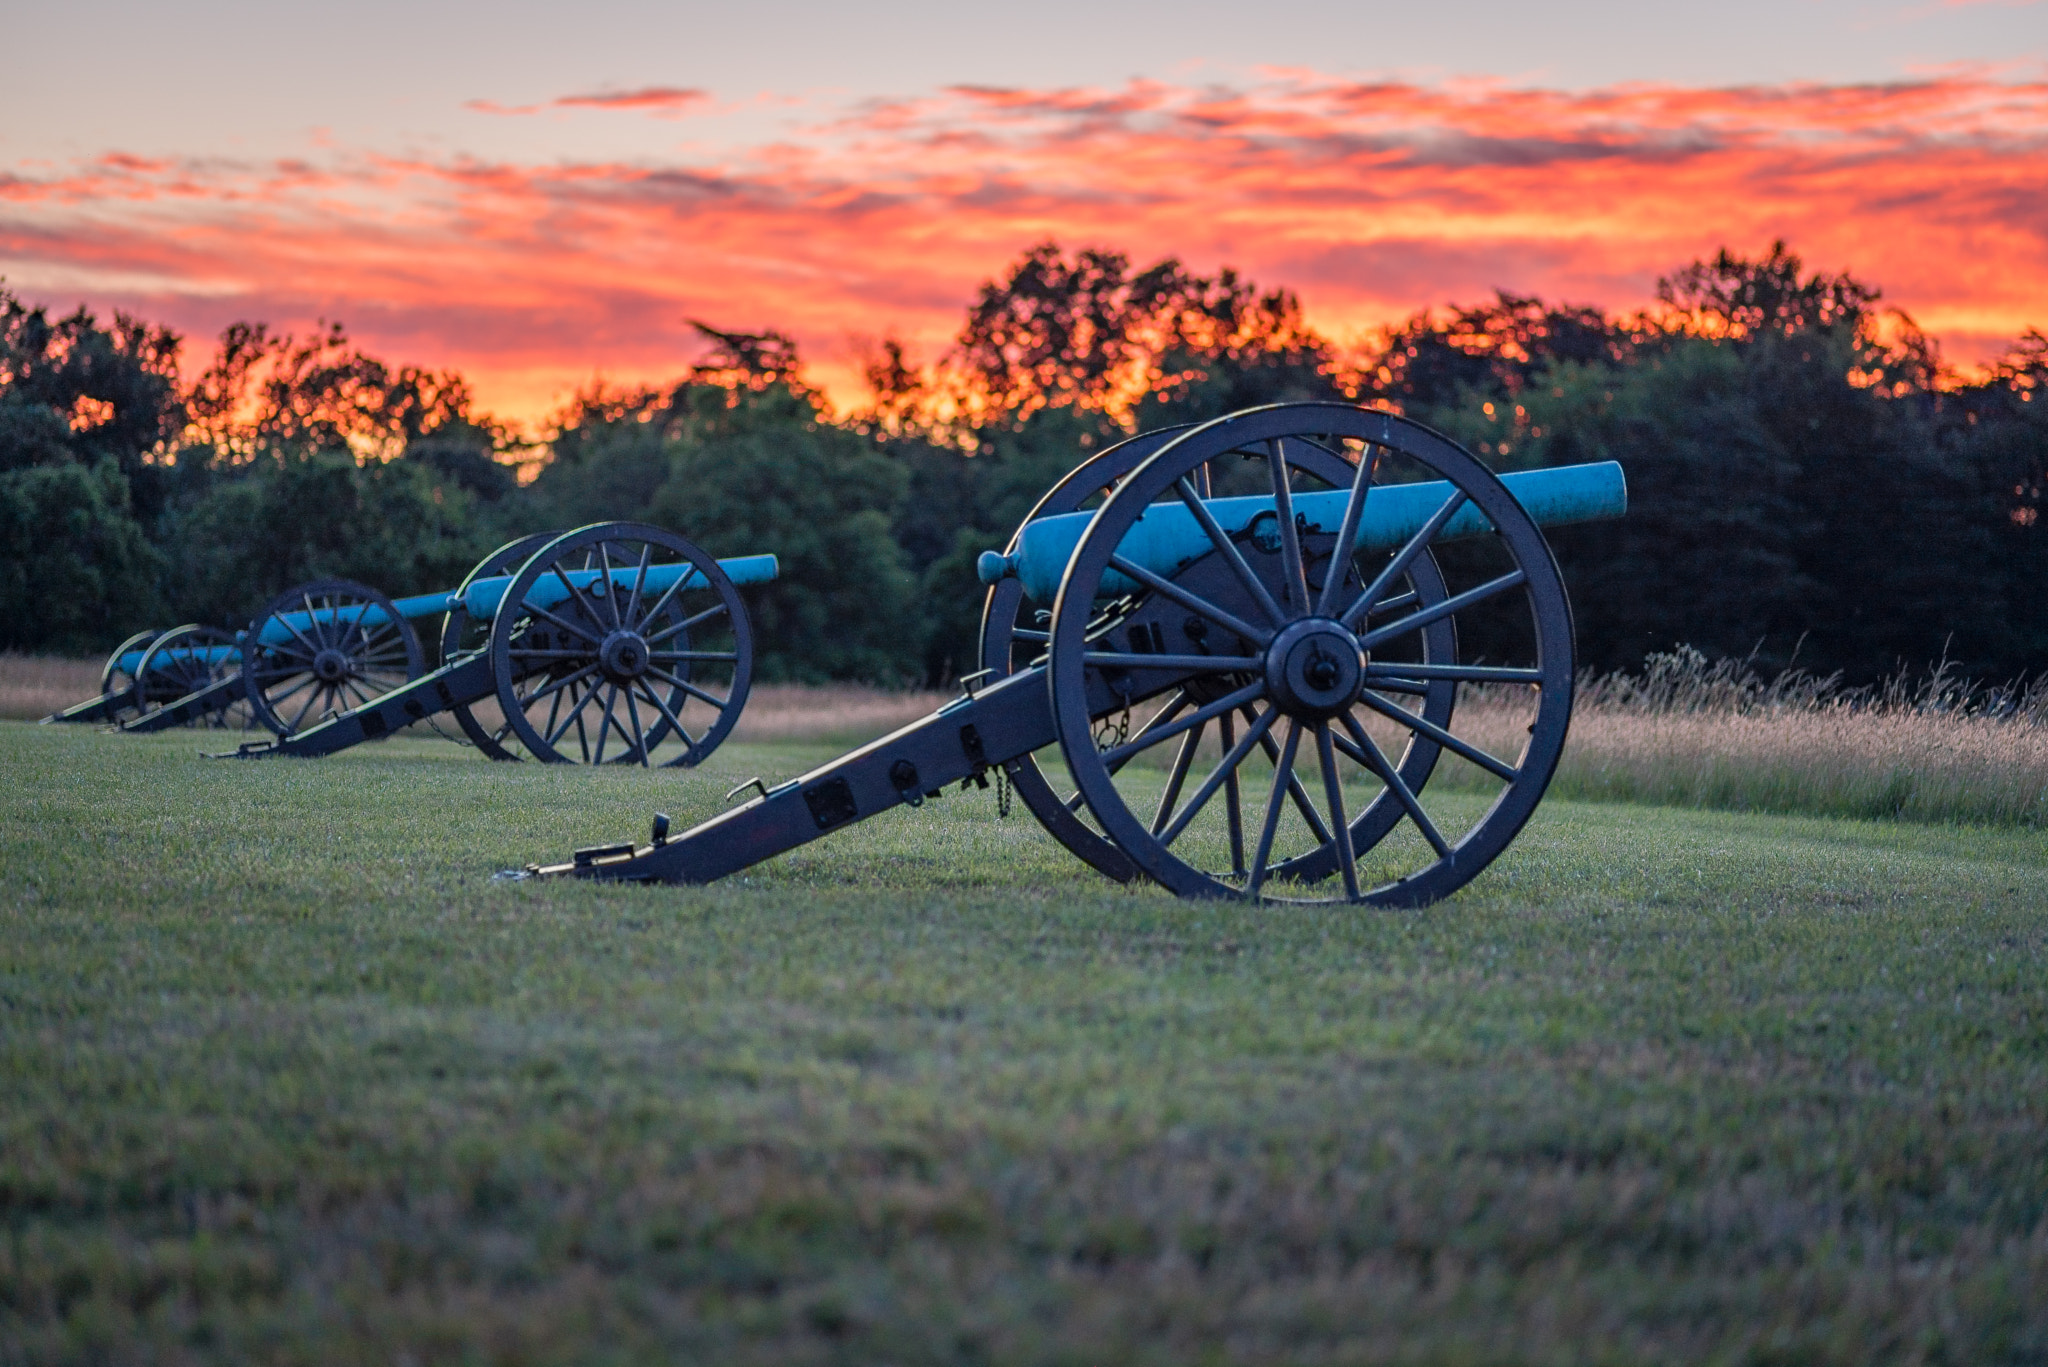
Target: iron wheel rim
column 1456, row 862
column 286, row 680
column 575, row 673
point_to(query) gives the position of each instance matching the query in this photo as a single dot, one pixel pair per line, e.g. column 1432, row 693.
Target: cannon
column 606, row 643
column 195, row 674
column 314, row 651
column 1311, row 611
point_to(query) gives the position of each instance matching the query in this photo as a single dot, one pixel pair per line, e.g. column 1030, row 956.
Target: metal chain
column 1107, row 736
column 1002, row 793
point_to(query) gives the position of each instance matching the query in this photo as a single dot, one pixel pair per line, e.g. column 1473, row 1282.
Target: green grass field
column 286, row 1077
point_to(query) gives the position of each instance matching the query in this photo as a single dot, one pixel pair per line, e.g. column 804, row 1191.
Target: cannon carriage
column 320, row 649
column 1308, row 652
column 613, row 643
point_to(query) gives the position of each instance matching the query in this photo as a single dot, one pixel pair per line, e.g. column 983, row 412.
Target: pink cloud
column 661, row 101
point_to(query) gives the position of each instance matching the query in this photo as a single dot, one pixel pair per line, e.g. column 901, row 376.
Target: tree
column 297, row 514
column 278, row 391
column 740, row 456
column 1497, row 350
column 1090, row 333
column 76, row 571
column 760, row 470
column 75, row 390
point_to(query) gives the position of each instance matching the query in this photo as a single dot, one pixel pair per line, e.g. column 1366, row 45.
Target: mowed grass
column 286, row 1077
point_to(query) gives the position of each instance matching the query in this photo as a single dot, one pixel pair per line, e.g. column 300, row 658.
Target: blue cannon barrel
column 213, row 655
column 1167, row 538
column 482, row 598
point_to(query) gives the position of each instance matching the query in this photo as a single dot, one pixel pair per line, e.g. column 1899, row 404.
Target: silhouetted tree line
column 1808, row 481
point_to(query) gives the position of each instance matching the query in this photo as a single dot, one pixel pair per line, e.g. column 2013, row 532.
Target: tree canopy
column 1809, row 482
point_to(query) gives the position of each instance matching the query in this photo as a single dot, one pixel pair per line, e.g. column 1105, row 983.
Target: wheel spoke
column 530, row 699
column 1347, row 529
column 554, row 707
column 575, row 712
column 1498, row 768
column 284, row 620
column 568, row 587
column 274, row 699
column 639, row 582
column 728, row 656
column 1167, row 588
column 1402, row 672
column 1224, row 770
column 1299, row 795
column 1415, row 621
column 563, row 623
column 1333, row 789
column 1283, row 774
column 1398, row 566
column 1140, row 741
column 1228, row 550
column 605, row 722
column 361, row 612
column 1398, row 786
column 1234, row 811
column 604, row 562
column 673, row 719
column 1410, row 687
column 639, row 735
column 1193, row 664
column 689, row 688
column 1116, row 754
column 689, row 573
column 1291, row 564
column 306, row 707
column 313, row 621
column 1190, row 741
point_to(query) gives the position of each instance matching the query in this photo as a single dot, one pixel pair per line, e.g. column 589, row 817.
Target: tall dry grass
column 1684, row 732
column 34, row 686
column 1693, row 733
column 829, row 712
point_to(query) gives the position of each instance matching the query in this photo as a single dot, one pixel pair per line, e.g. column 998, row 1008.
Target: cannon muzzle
column 1167, row 538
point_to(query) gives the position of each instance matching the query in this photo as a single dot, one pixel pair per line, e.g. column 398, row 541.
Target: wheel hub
column 623, row 656
column 330, row 666
column 1314, row 669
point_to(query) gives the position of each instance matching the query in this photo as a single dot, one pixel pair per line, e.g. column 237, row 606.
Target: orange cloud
column 663, row 101
column 1370, row 199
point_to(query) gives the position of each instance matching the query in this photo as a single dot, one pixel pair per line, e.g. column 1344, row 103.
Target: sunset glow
column 881, row 217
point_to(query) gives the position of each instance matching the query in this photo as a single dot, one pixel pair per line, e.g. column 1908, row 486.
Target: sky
column 542, row 196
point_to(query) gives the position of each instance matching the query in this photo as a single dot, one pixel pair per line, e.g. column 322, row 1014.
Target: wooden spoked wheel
column 1007, row 645
column 322, row 649
column 1266, row 766
column 463, row 633
column 187, row 660
column 117, row 683
column 621, row 643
